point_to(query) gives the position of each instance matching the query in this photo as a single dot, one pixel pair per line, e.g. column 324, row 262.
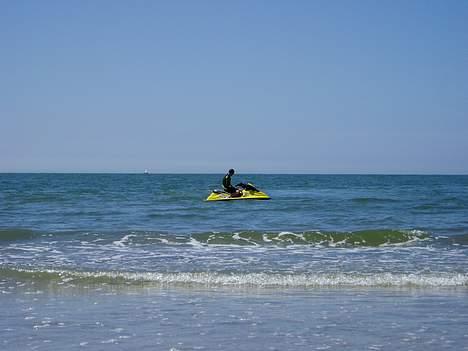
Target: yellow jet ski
column 249, row 192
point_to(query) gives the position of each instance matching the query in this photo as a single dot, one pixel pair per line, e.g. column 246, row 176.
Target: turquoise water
column 124, row 261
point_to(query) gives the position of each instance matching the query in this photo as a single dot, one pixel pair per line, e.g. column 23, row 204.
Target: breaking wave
column 357, row 238
column 317, row 238
column 254, row 280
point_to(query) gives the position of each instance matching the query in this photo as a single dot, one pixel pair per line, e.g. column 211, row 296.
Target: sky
column 260, row 86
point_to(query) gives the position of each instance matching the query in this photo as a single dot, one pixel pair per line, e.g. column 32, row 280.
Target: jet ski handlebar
column 248, row 186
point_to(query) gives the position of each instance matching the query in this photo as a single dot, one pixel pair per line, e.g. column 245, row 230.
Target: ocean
column 141, row 261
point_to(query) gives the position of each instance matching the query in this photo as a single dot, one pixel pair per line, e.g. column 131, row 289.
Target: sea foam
column 273, row 280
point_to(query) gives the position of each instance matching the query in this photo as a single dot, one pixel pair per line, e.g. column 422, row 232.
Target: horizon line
column 248, row 172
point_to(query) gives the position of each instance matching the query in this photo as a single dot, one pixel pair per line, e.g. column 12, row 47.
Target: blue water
column 326, row 260
column 174, row 203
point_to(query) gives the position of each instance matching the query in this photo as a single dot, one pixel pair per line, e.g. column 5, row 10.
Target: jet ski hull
column 246, row 195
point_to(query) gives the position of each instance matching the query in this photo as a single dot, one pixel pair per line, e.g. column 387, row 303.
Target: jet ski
column 248, row 192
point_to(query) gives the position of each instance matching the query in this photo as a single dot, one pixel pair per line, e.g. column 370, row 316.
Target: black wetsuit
column 227, row 184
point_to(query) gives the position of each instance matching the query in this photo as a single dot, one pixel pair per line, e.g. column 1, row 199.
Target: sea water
column 128, row 261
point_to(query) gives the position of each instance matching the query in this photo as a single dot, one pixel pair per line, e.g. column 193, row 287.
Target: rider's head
column 231, row 172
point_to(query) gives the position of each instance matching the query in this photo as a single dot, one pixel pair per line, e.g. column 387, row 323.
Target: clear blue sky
column 260, row 86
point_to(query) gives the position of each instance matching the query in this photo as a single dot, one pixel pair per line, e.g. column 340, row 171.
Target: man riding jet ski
column 235, row 192
column 240, row 192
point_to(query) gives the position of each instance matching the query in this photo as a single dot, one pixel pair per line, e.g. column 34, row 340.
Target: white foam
column 124, row 240
column 300, row 280
column 195, row 243
column 441, row 279
column 236, row 236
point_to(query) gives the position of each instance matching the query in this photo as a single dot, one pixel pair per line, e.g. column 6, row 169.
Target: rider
column 228, row 186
